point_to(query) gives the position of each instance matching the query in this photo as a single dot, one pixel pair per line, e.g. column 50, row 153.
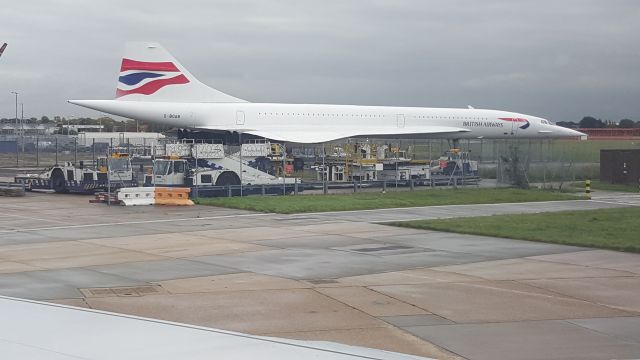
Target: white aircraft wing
column 36, row 330
column 323, row 135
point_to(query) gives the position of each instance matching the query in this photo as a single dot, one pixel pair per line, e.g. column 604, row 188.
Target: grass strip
column 599, row 185
column 367, row 201
column 614, row 229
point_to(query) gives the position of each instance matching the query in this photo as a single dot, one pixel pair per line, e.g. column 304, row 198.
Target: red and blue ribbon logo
column 143, row 77
column 525, row 123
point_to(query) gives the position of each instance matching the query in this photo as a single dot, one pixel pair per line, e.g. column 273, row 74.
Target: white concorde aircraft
column 153, row 86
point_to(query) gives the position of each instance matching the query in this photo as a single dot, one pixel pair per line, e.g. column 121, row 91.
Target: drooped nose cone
column 566, row 132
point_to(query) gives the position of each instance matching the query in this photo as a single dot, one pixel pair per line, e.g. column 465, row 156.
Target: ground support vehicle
column 454, row 168
column 372, row 163
column 209, row 171
column 111, row 173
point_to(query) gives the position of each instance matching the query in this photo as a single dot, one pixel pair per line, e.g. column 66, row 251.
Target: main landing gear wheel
column 58, row 182
column 227, row 178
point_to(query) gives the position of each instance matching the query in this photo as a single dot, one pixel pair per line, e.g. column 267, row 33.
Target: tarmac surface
column 341, row 277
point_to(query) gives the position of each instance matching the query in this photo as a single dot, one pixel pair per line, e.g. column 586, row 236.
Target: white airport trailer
column 210, row 171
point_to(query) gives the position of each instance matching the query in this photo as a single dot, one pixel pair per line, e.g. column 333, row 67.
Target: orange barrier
column 172, row 196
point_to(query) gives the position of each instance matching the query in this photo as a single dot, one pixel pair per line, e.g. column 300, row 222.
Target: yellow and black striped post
column 587, row 188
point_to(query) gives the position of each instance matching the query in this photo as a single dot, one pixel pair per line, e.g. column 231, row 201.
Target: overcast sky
column 557, row 59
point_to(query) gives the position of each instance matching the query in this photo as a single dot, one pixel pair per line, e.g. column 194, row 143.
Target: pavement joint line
column 123, row 249
column 438, row 346
column 85, row 242
column 629, row 312
column 528, row 321
column 403, row 301
column 37, row 268
column 34, row 218
column 158, row 283
column 316, row 290
column 422, row 218
column 589, row 266
column 133, row 222
column 381, row 326
column 612, row 336
column 236, row 270
column 622, row 203
column 532, row 294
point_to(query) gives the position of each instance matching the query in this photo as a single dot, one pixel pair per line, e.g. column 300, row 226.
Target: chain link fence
column 511, row 161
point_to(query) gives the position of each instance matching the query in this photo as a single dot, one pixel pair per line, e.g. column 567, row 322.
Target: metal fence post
column 240, row 142
column 108, row 183
column 325, row 173
column 284, row 169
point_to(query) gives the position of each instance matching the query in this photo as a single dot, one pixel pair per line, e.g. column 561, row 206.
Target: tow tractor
column 111, row 172
column 454, row 167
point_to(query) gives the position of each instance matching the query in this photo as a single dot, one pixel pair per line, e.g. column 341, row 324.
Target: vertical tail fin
column 4, row 46
column 149, row 73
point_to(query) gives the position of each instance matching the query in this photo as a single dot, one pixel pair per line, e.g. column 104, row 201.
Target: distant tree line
column 110, row 125
column 589, row 122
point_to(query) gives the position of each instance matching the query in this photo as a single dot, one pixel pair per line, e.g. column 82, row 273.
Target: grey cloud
column 558, row 59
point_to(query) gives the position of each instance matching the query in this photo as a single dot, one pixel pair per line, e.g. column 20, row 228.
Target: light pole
column 71, row 117
column 22, row 128
column 16, row 129
column 16, row 94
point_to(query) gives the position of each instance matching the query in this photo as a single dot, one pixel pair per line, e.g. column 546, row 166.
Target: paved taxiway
column 330, row 276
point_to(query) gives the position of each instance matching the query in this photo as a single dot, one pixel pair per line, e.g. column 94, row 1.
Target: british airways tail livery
column 153, row 86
